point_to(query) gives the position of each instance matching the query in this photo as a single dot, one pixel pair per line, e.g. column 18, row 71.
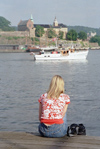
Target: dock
column 27, row 140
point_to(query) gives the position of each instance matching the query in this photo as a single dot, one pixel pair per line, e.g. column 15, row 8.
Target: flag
column 54, row 39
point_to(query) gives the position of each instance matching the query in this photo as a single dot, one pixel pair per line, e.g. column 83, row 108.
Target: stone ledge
column 22, row 140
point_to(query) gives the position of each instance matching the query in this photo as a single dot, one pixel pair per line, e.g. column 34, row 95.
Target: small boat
column 53, row 53
column 33, row 49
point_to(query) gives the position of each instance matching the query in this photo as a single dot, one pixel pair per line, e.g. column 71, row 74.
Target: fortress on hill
column 28, row 25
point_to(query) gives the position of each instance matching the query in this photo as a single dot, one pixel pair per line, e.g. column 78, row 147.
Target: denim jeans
column 54, row 130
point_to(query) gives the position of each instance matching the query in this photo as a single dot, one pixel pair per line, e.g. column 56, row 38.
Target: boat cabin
column 49, row 50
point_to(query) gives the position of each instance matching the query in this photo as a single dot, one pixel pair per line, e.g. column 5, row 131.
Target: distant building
column 90, row 35
column 25, row 25
column 93, row 34
column 60, row 27
column 29, row 25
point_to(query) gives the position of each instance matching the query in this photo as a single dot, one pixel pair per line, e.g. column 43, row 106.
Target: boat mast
column 56, row 41
column 47, row 37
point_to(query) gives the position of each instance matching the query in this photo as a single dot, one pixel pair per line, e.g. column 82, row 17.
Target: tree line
column 71, row 35
column 50, row 33
column 85, row 29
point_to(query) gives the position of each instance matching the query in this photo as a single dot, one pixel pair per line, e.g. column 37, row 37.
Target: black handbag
column 76, row 129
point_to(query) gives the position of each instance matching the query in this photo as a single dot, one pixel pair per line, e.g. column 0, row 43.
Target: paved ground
column 22, row 140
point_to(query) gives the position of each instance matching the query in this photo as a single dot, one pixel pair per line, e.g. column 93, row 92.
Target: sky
column 69, row 12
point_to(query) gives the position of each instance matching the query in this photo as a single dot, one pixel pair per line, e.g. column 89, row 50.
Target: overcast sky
column 68, row 12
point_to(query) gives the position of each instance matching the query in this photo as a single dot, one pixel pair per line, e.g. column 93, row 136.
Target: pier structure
column 23, row 140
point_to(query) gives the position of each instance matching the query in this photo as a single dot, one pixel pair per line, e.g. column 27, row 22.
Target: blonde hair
column 56, row 87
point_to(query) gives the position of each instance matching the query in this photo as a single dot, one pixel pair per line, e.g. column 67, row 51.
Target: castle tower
column 32, row 18
column 32, row 30
column 55, row 23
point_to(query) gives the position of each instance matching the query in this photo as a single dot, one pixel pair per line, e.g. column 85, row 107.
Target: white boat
column 53, row 54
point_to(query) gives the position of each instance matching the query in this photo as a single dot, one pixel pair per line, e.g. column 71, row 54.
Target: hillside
column 85, row 29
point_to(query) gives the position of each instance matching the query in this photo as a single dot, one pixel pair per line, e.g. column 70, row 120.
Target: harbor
column 17, row 48
column 24, row 80
column 43, row 41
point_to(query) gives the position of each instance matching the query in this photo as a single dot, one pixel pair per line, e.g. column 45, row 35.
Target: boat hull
column 71, row 56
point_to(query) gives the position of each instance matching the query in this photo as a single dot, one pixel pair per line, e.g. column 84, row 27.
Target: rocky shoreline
column 24, row 51
column 17, row 48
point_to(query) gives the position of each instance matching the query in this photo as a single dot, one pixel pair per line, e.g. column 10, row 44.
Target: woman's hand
column 40, row 111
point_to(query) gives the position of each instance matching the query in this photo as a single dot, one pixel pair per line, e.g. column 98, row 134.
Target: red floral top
column 52, row 109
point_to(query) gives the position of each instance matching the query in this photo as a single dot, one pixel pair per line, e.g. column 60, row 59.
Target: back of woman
column 52, row 109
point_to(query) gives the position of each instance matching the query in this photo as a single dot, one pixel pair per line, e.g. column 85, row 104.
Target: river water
column 23, row 80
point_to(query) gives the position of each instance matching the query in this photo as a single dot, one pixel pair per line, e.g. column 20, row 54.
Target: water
column 22, row 81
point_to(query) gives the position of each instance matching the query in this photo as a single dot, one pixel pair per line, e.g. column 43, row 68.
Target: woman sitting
column 52, row 109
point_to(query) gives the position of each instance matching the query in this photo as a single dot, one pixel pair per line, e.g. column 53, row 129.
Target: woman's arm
column 40, row 111
column 65, row 109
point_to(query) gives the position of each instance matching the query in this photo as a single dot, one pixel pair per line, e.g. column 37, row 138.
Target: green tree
column 72, row 35
column 82, row 35
column 39, row 31
column 5, row 25
column 35, row 40
column 95, row 39
column 61, row 34
column 51, row 33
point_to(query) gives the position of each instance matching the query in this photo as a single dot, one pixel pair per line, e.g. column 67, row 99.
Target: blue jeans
column 54, row 130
